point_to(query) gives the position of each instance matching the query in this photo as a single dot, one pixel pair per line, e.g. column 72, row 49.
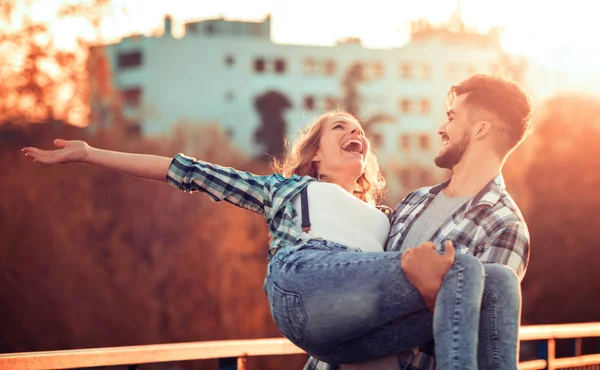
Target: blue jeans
column 499, row 320
column 500, row 316
column 341, row 306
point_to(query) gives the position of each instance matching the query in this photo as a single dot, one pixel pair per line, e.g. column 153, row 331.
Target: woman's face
column 342, row 149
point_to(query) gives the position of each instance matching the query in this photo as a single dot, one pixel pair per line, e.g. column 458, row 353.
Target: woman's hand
column 70, row 151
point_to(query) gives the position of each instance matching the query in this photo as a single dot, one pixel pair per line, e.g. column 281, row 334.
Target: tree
column 41, row 82
column 352, row 99
column 272, row 130
column 555, row 173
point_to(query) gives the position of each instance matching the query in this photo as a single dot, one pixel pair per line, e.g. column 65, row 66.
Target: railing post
column 577, row 347
column 241, row 363
column 551, row 353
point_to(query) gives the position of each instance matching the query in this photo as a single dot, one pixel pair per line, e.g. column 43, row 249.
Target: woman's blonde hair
column 298, row 160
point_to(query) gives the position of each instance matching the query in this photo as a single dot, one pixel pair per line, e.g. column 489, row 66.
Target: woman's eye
column 337, row 126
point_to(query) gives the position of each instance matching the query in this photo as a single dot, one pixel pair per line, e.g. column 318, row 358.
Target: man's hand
column 426, row 269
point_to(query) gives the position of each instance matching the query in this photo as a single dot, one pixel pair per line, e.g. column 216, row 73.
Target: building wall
column 213, row 78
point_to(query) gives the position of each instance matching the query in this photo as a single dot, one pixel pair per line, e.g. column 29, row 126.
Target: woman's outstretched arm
column 243, row 189
column 146, row 166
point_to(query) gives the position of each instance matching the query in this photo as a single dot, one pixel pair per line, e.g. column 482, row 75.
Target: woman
column 338, row 305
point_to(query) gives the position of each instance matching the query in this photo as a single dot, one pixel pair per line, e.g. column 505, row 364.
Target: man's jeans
column 341, row 306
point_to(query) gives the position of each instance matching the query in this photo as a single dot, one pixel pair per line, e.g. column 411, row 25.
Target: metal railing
column 551, row 333
column 233, row 353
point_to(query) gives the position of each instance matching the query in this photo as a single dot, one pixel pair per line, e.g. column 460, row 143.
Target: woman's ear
column 317, row 157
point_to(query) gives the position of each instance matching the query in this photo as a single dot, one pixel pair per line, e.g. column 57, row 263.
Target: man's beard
column 452, row 155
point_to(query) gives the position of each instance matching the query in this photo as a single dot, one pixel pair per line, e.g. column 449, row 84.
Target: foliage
column 555, row 175
column 40, row 81
column 92, row 258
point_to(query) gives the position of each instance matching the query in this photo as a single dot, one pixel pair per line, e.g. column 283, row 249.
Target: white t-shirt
column 338, row 216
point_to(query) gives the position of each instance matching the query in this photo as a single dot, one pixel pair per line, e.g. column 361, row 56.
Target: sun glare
column 531, row 27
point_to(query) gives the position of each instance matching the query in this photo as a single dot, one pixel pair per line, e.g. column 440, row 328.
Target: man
column 488, row 118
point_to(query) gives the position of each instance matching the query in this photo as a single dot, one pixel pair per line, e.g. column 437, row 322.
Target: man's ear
column 482, row 129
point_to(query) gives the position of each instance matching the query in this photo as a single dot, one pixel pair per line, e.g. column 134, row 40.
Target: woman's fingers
column 43, row 156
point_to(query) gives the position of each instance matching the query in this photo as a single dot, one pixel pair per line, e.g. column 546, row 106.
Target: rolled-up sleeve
column 243, row 189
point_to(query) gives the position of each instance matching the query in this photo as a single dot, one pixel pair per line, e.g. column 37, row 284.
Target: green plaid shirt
column 490, row 227
column 268, row 195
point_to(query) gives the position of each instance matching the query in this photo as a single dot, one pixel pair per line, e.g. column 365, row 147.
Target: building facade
column 231, row 73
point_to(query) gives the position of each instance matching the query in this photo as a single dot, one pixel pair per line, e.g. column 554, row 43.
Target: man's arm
column 508, row 245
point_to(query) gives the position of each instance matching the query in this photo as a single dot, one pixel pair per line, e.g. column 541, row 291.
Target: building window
column 133, row 129
column 210, row 28
column 425, row 142
column 132, row 97
column 425, row 177
column 309, row 66
column 330, row 67
column 406, row 70
column 330, row 103
column 405, row 177
column 229, row 60
column 425, row 106
column 358, row 70
column 376, row 139
column 130, row 60
column 425, row 71
column 377, row 69
column 453, row 72
column 405, row 142
column 259, row 65
column 257, row 29
column 405, row 105
column 280, row 65
column 229, row 96
column 191, row 28
column 309, row 102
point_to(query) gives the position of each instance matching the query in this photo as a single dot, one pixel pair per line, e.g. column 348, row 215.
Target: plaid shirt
column 489, row 227
column 268, row 195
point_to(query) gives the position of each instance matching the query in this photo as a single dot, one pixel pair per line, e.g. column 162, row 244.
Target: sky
column 531, row 27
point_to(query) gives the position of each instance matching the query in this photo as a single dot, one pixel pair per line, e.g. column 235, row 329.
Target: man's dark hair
column 504, row 99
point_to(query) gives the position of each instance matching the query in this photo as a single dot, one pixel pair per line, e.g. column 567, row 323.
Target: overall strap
column 304, row 206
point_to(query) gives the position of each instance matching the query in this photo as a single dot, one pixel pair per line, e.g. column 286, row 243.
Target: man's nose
column 441, row 130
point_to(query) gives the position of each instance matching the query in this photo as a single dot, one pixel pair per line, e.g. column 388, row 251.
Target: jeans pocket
column 288, row 312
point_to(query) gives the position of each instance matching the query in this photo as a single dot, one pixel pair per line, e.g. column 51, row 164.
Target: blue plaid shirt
column 490, row 227
column 268, row 195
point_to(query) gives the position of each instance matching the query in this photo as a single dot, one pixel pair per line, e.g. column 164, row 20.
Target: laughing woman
column 332, row 289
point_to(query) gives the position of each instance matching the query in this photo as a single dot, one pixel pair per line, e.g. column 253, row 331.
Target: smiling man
column 488, row 117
